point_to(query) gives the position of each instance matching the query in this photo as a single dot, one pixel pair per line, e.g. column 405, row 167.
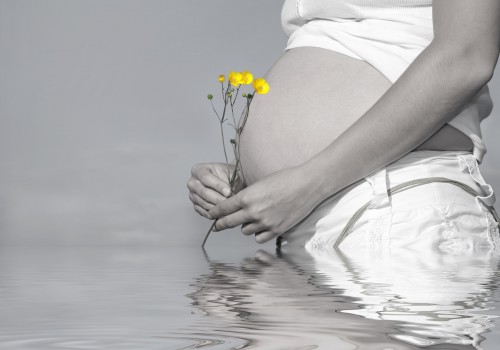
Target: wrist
column 321, row 181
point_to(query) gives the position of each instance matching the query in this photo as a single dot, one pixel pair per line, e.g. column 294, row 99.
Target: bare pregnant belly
column 315, row 95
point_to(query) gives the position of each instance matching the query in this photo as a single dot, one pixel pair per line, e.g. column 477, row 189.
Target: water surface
column 238, row 298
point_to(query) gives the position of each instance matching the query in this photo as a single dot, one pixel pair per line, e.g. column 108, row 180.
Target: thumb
column 211, row 180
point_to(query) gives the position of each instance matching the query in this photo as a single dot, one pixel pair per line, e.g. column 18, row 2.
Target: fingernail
column 226, row 191
column 209, row 216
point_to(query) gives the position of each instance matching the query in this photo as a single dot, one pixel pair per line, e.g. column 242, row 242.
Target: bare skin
column 385, row 123
column 316, row 95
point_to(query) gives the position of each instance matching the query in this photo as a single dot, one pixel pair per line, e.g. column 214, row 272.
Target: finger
column 226, row 207
column 251, row 228
column 202, row 211
column 200, row 201
column 206, row 193
column 208, row 179
column 230, row 221
column 264, row 236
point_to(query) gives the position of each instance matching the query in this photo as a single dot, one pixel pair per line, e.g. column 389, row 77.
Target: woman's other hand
column 268, row 207
column 209, row 185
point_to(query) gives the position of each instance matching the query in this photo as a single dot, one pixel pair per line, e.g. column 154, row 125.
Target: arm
column 452, row 69
column 459, row 61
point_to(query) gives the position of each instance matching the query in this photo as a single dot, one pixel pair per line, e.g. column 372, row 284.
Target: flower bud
column 210, row 96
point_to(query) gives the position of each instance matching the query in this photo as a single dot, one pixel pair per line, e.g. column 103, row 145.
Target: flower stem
column 231, row 185
column 217, row 114
column 208, row 234
column 236, row 145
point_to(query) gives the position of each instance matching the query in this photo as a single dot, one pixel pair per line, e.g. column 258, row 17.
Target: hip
column 395, row 207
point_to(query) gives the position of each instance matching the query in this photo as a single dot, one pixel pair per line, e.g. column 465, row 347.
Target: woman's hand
column 209, row 185
column 268, row 207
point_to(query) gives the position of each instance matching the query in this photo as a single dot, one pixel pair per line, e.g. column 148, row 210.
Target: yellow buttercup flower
column 222, row 77
column 261, row 86
column 235, row 78
column 246, row 77
column 258, row 83
column 264, row 89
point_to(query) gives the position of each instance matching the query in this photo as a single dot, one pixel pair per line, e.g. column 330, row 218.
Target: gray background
column 103, row 112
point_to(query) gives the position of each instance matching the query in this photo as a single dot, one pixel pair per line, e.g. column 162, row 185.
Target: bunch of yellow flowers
column 230, row 93
column 260, row 85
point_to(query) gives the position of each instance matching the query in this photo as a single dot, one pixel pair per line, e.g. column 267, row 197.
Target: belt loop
column 378, row 182
column 468, row 163
column 479, row 147
column 379, row 211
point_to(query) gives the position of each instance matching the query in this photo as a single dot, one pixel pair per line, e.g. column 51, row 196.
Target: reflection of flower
column 229, row 95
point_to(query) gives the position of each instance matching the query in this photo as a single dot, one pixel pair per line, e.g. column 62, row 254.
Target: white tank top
column 388, row 34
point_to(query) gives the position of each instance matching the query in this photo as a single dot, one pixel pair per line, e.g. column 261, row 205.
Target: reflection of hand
column 268, row 207
column 209, row 185
column 231, row 291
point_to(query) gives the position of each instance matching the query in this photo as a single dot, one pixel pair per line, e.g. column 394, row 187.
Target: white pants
column 432, row 216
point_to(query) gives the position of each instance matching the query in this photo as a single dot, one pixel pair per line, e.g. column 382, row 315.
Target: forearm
column 429, row 94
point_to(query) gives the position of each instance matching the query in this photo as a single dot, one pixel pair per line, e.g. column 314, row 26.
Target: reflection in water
column 170, row 298
column 301, row 300
column 270, row 303
column 434, row 297
column 95, row 297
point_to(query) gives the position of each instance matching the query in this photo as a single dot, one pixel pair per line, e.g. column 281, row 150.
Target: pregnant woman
column 370, row 133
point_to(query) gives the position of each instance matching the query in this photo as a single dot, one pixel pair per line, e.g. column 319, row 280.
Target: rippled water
column 235, row 298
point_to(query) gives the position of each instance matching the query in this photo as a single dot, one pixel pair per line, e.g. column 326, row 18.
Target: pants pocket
column 453, row 228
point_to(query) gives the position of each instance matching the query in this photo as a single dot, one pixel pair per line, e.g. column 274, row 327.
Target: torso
column 315, row 95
